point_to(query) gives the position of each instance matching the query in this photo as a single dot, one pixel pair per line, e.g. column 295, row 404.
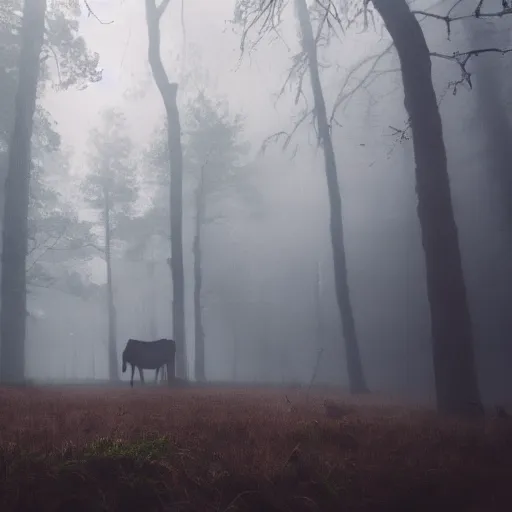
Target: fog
column 268, row 297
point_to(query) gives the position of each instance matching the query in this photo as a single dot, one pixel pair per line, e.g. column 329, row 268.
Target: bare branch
column 342, row 95
column 287, row 136
column 298, row 69
column 462, row 58
column 90, row 12
column 249, row 15
column 477, row 13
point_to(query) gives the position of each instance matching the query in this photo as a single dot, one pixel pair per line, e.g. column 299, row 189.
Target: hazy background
column 261, row 272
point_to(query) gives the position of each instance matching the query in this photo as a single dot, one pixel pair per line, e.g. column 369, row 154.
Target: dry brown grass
column 228, row 450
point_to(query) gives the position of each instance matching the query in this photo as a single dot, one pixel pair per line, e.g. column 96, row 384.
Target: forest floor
column 155, row 449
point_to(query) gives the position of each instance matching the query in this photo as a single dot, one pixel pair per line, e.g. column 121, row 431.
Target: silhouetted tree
column 56, row 236
column 357, row 380
column 25, row 54
column 110, row 188
column 169, row 91
column 15, row 228
column 213, row 151
column 454, row 365
column 452, row 337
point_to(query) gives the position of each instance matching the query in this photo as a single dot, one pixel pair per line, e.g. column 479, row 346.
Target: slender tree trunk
column 357, row 381
column 234, row 361
column 15, row 225
column 169, row 92
column 198, row 280
column 153, row 330
column 318, row 307
column 111, row 310
column 452, row 337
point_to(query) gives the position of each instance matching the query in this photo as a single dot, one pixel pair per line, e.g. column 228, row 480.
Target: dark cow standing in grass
column 149, row 355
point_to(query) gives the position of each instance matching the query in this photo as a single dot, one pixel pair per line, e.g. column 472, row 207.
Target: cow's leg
column 156, row 375
column 141, row 374
column 133, row 371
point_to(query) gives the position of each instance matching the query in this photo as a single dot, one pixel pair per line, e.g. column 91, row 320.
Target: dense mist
column 256, row 210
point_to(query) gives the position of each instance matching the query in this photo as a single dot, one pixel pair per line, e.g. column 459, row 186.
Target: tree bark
column 168, row 92
column 111, row 310
column 199, row 362
column 357, row 381
column 452, row 337
column 15, row 221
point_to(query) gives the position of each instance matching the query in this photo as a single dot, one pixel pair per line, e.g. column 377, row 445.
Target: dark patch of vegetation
column 245, row 450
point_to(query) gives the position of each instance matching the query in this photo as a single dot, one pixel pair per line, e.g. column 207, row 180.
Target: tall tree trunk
column 168, row 92
column 15, row 220
column 113, row 369
column 357, row 381
column 199, row 362
column 153, row 327
column 452, row 337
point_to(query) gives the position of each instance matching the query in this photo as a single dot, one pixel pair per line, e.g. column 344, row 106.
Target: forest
column 311, row 198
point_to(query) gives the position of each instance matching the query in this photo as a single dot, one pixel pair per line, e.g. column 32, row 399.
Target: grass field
column 92, row 449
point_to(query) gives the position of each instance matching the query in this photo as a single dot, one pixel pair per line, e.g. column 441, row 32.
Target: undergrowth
column 201, row 450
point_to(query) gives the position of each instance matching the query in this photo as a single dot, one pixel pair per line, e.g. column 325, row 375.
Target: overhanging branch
column 448, row 19
column 462, row 59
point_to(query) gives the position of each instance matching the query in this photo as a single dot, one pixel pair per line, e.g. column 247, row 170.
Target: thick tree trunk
column 15, row 226
column 356, row 377
column 113, row 368
column 168, row 92
column 199, row 362
column 454, row 365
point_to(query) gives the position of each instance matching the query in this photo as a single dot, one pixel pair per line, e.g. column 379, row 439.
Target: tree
column 15, row 229
column 307, row 59
column 64, row 55
column 56, row 236
column 454, row 363
column 213, row 152
column 30, row 46
column 357, row 380
column 110, row 188
column 452, row 336
column 169, row 91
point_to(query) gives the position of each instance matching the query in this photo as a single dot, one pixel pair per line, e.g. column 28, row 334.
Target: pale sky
column 123, row 56
column 211, row 46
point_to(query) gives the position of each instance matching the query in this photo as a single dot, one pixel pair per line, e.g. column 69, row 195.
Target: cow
column 150, row 355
